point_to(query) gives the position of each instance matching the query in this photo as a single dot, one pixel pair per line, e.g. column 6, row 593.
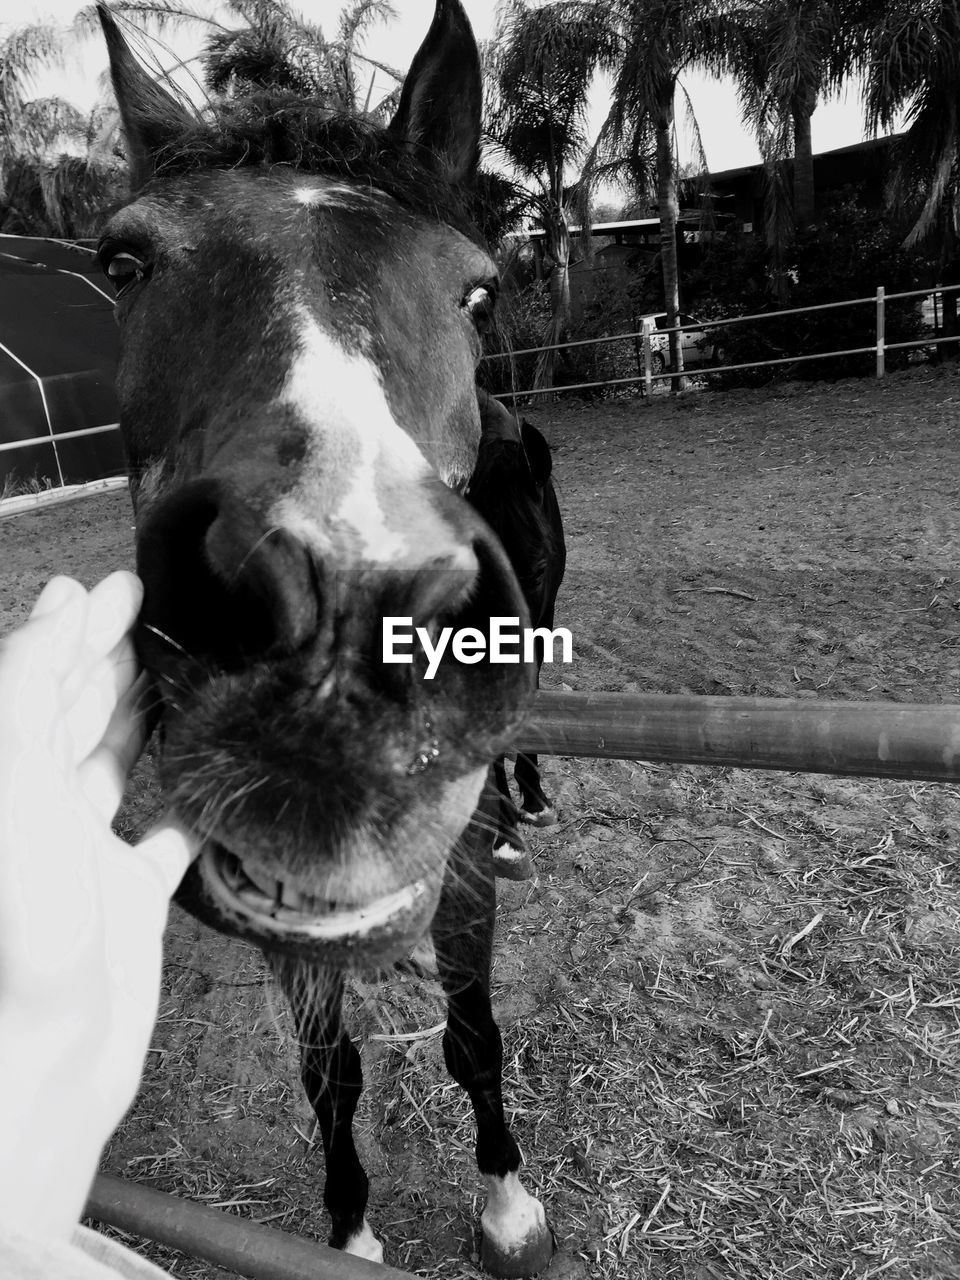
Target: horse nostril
column 271, row 578
column 221, row 587
column 440, row 590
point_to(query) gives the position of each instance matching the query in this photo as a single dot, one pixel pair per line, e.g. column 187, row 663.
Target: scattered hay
column 730, row 1000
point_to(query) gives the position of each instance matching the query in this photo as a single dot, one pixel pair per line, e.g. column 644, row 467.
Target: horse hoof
column 531, row 1257
column 512, row 864
column 516, row 1240
column 364, row 1244
column 541, row 818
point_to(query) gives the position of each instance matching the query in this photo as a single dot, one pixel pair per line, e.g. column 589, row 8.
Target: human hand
column 82, row 913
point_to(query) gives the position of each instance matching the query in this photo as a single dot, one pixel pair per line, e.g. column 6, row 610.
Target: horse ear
column 152, row 118
column 442, row 97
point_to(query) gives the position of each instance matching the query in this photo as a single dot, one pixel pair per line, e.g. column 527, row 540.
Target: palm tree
column 23, row 53
column 62, row 167
column 277, row 48
column 913, row 67
column 913, row 62
column 657, row 41
column 793, row 53
column 273, row 46
column 51, row 181
column 541, row 63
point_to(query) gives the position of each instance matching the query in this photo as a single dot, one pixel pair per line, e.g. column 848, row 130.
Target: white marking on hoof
column 365, row 1245
column 516, row 1238
column 512, row 864
column 540, row 818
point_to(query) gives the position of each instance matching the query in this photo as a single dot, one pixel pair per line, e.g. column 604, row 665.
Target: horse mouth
column 282, row 915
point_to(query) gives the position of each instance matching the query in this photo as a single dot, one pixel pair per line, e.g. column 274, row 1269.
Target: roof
column 614, row 228
column 854, row 148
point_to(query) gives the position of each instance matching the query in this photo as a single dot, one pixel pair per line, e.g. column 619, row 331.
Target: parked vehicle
column 699, row 347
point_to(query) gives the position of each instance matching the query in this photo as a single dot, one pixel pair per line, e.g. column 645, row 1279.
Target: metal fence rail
column 879, row 346
column 647, row 378
column 857, row 739
column 237, row 1244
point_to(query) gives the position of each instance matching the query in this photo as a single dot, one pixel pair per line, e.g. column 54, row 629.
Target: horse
column 301, row 298
column 512, row 488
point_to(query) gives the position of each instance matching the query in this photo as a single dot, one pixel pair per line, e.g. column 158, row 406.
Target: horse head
column 300, row 298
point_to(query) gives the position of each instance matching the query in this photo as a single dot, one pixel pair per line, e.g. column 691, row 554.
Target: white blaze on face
column 339, row 397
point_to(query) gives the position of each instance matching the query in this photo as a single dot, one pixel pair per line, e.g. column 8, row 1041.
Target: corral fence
column 75, row 459
column 82, row 459
column 878, row 348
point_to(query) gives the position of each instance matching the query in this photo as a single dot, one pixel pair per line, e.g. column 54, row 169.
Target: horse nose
column 220, row 585
column 224, row 588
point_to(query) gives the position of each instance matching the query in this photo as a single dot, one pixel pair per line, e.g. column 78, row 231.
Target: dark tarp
column 56, row 325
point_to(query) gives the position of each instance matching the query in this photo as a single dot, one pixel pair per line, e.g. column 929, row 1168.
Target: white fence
column 879, row 347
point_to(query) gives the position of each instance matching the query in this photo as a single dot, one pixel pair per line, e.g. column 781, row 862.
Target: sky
column 726, row 143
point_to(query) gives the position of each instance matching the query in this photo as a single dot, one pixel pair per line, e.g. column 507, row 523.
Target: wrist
column 52, row 1128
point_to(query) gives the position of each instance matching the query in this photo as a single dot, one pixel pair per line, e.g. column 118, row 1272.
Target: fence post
column 881, row 329
column 647, row 380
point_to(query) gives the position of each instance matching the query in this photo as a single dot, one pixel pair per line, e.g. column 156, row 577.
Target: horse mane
column 277, row 127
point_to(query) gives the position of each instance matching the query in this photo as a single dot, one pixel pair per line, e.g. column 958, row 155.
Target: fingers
column 112, row 608
column 47, row 644
column 94, row 705
column 56, row 595
column 70, row 629
column 63, row 672
column 115, row 747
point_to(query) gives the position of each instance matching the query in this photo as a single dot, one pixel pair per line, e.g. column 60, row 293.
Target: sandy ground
column 696, row 1095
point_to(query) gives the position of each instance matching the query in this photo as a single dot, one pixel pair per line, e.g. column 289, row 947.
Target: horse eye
column 124, row 269
column 479, row 304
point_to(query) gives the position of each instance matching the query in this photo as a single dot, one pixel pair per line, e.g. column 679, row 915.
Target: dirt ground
column 729, row 999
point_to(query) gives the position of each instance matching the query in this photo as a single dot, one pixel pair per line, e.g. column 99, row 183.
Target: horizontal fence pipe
column 577, row 386
column 59, row 435
column 718, row 324
column 699, row 371
column 236, row 1244
column 923, row 342
column 564, row 346
column 859, row 739
column 925, row 293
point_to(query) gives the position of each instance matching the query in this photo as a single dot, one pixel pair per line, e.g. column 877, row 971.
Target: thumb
column 168, row 848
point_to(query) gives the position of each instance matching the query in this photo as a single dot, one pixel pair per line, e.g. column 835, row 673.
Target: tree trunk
column 557, row 244
column 668, row 206
column 950, row 275
column 804, row 199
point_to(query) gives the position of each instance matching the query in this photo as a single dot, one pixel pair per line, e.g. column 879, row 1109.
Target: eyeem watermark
column 506, row 641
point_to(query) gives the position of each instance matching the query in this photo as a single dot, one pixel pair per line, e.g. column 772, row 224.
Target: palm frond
column 914, row 68
column 146, row 15
column 23, row 53
column 47, row 122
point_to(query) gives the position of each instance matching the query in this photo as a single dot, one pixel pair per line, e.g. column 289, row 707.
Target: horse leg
column 536, row 808
column 516, row 1240
column 333, row 1080
column 511, row 858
